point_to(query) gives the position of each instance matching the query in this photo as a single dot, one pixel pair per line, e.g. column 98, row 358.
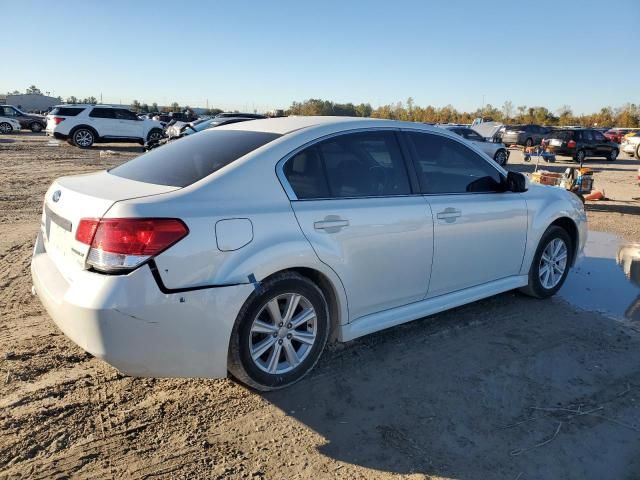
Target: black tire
column 83, row 137
column 154, row 134
column 637, row 151
column 613, row 155
column 528, row 142
column 36, row 127
column 580, row 156
column 6, row 128
column 501, row 157
column 240, row 363
column 535, row 288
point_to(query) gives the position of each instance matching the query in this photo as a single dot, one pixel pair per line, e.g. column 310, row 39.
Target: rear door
column 353, row 200
column 480, row 232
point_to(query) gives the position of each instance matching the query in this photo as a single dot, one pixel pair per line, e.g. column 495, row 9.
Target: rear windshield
column 515, row 128
column 192, row 158
column 66, row 111
column 561, row 134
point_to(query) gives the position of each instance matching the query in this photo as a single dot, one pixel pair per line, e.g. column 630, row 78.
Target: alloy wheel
column 155, row 136
column 36, row 127
column 501, row 157
column 83, row 138
column 283, row 333
column 553, row 263
column 5, row 127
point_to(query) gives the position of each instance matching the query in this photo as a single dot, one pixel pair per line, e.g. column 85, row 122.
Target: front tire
column 83, row 138
column 613, row 155
column 501, row 157
column 550, row 264
column 279, row 333
column 36, row 127
column 5, row 128
column 154, row 135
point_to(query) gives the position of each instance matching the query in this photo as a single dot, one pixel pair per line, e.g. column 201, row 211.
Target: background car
column 35, row 123
column 239, row 248
column 631, row 144
column 84, row 125
column 525, row 135
column 181, row 129
column 240, row 115
column 616, row 134
column 9, row 125
column 580, row 143
column 496, row 150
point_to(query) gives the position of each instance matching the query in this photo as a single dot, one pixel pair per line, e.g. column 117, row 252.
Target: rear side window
column 102, row 113
column 368, row 164
column 446, row 166
column 66, row 111
column 192, row 158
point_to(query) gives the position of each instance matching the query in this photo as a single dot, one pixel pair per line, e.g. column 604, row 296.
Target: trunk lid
column 70, row 199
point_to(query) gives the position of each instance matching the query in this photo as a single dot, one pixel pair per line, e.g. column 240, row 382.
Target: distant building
column 30, row 102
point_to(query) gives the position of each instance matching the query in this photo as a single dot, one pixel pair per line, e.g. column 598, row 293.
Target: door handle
column 449, row 214
column 331, row 224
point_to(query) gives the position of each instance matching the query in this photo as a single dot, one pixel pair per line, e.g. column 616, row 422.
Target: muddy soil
column 506, row 388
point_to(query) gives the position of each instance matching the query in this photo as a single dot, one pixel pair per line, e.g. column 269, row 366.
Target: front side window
column 447, row 166
column 124, row 114
column 368, row 164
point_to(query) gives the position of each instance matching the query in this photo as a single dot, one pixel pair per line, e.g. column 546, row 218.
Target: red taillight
column 571, row 143
column 58, row 120
column 86, row 230
column 138, row 236
column 124, row 243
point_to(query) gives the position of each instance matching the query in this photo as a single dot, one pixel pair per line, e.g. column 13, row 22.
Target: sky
column 262, row 55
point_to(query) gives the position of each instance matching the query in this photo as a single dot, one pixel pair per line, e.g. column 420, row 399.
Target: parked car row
column 10, row 115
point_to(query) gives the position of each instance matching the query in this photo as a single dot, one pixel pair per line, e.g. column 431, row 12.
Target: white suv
column 84, row 125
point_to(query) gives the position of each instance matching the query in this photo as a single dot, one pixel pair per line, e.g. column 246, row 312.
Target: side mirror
column 516, row 182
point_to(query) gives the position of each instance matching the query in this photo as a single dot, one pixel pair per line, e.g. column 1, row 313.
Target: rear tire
column 6, row 128
column 550, row 264
column 264, row 339
column 36, row 127
column 83, row 138
column 528, row 142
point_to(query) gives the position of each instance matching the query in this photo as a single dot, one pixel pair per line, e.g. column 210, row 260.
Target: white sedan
column 244, row 248
column 496, row 150
column 9, row 125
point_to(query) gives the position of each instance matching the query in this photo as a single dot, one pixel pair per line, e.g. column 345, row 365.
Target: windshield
column 182, row 163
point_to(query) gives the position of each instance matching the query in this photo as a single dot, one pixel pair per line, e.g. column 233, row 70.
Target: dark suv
column 526, row 135
column 580, row 143
column 35, row 123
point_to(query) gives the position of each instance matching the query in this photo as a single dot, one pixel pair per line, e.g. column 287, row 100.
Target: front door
column 355, row 205
column 480, row 231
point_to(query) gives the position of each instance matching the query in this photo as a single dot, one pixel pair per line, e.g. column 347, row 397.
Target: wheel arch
column 334, row 294
column 571, row 228
column 88, row 127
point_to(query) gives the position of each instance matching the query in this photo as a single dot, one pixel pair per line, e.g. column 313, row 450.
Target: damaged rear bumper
column 129, row 323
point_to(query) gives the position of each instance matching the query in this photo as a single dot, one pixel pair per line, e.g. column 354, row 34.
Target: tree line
column 627, row 115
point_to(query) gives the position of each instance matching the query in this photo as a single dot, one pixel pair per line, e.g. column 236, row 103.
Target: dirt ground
column 505, row 388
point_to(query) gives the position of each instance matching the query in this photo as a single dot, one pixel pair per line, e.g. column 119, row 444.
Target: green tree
column 72, row 99
column 33, row 90
column 175, row 106
column 135, row 106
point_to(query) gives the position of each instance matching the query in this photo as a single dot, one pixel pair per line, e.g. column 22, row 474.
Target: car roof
column 284, row 125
